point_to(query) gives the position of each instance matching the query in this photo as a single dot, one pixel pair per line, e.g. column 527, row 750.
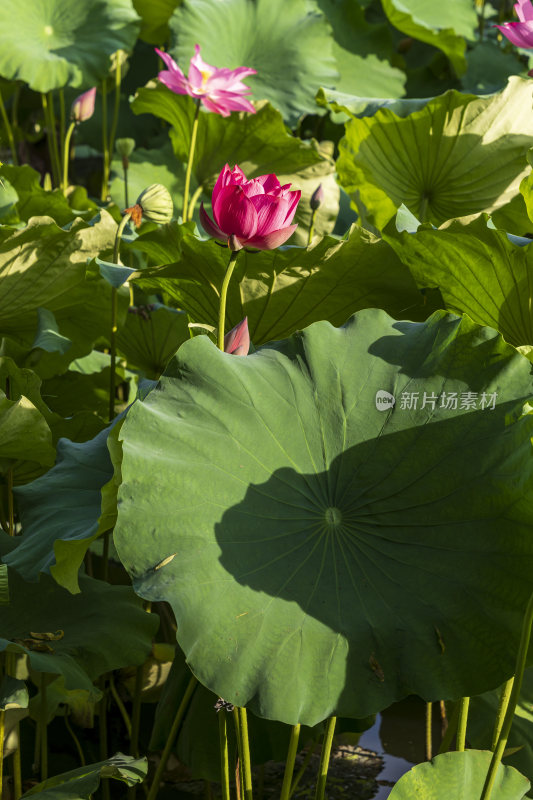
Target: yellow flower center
column 205, row 76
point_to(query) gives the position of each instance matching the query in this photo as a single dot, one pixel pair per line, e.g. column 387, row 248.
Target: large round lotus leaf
column 461, row 776
column 59, row 43
column 478, row 271
column 458, row 155
column 324, row 553
column 289, row 44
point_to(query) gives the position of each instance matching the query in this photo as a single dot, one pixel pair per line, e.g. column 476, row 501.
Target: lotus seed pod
column 156, row 204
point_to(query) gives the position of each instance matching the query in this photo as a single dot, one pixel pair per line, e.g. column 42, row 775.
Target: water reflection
column 398, row 735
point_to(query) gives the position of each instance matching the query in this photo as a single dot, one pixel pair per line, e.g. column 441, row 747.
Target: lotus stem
column 305, row 764
column 102, row 731
column 43, row 725
column 136, row 712
column 324, row 758
column 9, row 131
column 239, row 773
column 62, row 123
column 114, row 312
column 17, row 768
column 75, row 740
column 246, row 763
column 116, row 107
column 125, row 168
column 66, row 155
column 50, row 133
column 502, row 708
column 9, row 476
column 121, row 707
column 289, row 764
column 189, row 162
column 224, row 763
column 194, row 199
column 180, row 713
column 450, row 730
column 15, row 116
column 429, row 743
column 135, row 723
column 2, row 737
column 223, row 295
column 312, row 227
column 513, row 700
column 105, row 145
column 464, row 704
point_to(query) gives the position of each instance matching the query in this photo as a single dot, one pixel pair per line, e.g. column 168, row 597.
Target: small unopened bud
column 125, row 148
column 237, row 341
column 156, row 204
column 317, row 198
column 83, row 106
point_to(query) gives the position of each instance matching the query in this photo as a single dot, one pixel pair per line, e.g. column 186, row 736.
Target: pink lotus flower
column 237, row 341
column 220, row 90
column 252, row 213
column 520, row 33
column 83, row 106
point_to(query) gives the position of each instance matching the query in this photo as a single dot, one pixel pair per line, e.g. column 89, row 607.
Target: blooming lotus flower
column 220, row 90
column 520, row 33
column 83, row 106
column 252, row 213
column 237, row 341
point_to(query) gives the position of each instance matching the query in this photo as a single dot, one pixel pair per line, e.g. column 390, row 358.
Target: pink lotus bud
column 83, row 106
column 251, row 213
column 237, row 341
column 317, row 198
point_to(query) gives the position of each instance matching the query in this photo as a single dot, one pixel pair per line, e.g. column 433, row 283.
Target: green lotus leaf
column 45, row 266
column 81, row 783
column 104, row 628
column 60, row 512
column 460, row 775
column 155, row 15
column 459, row 155
column 31, row 199
column 441, row 26
column 48, row 337
column 25, row 438
column 319, row 526
column 362, row 52
column 281, row 290
column 63, row 42
column 74, row 390
column 483, row 713
column 289, row 44
column 259, row 143
column 78, row 704
column 13, row 693
column 355, row 105
column 151, row 336
column 478, row 271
